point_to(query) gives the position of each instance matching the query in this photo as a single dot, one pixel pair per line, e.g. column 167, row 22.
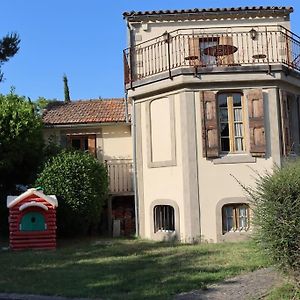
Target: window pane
column 222, row 98
column 239, row 144
column 86, row 144
column 225, row 145
column 76, row 144
column 224, row 130
column 229, row 218
column 238, row 114
column 243, row 219
column 164, row 218
column 223, row 114
column 237, row 100
column 238, row 129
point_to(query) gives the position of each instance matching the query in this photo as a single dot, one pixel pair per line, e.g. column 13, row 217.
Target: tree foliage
column 276, row 200
column 21, row 140
column 66, row 89
column 9, row 46
column 20, row 146
column 80, row 181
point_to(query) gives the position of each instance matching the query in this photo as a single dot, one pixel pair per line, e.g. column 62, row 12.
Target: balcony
column 120, row 172
column 201, row 50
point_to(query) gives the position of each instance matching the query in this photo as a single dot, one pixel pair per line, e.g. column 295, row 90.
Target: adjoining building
column 215, row 96
column 101, row 127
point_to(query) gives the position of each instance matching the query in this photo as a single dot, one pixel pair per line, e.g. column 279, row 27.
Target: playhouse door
column 32, row 221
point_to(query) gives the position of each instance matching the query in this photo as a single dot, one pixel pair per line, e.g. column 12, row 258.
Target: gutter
column 84, row 125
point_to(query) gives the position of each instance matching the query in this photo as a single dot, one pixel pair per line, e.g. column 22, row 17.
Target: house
column 215, row 100
column 32, row 220
column 101, row 127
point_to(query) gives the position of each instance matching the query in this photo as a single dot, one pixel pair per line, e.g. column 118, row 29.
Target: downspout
column 197, row 163
column 133, row 131
column 135, row 179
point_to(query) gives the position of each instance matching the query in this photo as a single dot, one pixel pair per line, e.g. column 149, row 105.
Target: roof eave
column 136, row 16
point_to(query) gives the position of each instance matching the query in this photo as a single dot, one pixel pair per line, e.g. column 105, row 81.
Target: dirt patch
column 252, row 285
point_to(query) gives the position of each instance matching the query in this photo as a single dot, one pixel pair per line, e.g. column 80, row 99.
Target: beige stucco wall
column 112, row 141
column 117, row 141
column 198, row 185
column 148, row 30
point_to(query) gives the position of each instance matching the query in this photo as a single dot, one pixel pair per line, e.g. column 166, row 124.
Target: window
column 235, row 217
column 164, row 218
column 83, row 143
column 232, row 137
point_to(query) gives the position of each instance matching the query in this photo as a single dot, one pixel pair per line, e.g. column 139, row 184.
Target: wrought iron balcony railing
column 204, row 49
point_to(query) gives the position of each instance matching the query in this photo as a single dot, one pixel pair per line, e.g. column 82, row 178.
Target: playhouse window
column 164, row 218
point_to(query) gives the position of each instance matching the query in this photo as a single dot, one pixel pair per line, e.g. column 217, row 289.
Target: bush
column 81, row 184
column 276, row 201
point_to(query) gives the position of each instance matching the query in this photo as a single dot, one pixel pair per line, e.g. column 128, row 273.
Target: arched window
column 164, row 218
column 235, row 217
column 231, row 122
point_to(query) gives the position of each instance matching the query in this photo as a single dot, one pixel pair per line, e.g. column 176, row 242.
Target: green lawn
column 123, row 269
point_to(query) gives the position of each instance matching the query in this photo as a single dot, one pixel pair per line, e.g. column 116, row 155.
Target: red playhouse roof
column 13, row 200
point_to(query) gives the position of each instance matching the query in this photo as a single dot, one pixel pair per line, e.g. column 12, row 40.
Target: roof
column 86, row 111
column 13, row 200
column 211, row 11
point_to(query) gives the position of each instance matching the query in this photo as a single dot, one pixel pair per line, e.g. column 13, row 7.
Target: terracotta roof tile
column 85, row 111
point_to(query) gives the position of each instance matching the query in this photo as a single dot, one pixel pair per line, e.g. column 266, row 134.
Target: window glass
column 81, row 142
column 75, row 143
column 164, row 218
column 231, row 122
column 235, row 217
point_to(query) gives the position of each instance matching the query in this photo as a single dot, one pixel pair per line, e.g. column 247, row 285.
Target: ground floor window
column 235, row 217
column 164, row 218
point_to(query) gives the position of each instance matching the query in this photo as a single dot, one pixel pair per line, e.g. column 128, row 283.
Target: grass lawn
column 123, row 269
column 285, row 292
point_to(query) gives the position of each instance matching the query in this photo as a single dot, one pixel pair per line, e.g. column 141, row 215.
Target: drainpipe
column 126, row 107
column 135, row 179
column 133, row 132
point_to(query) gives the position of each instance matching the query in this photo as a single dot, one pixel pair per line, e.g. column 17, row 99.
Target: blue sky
column 83, row 39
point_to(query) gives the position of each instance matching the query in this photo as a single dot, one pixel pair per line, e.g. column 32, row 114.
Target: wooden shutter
column 226, row 59
column 210, row 130
column 92, row 144
column 285, row 124
column 194, row 51
column 256, row 122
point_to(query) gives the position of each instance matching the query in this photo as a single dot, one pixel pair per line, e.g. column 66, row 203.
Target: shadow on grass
column 120, row 269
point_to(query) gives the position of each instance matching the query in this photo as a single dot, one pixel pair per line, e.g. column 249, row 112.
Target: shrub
column 276, row 200
column 80, row 182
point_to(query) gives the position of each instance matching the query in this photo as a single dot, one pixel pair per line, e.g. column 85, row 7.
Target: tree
column 42, row 103
column 80, row 182
column 9, row 46
column 21, row 145
column 66, row 89
column 20, row 140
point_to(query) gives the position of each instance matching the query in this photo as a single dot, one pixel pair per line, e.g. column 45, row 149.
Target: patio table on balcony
column 220, row 50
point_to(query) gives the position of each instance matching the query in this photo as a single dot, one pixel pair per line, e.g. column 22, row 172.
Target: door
column 33, row 221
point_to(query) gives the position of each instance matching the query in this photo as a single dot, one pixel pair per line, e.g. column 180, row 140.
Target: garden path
column 254, row 285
